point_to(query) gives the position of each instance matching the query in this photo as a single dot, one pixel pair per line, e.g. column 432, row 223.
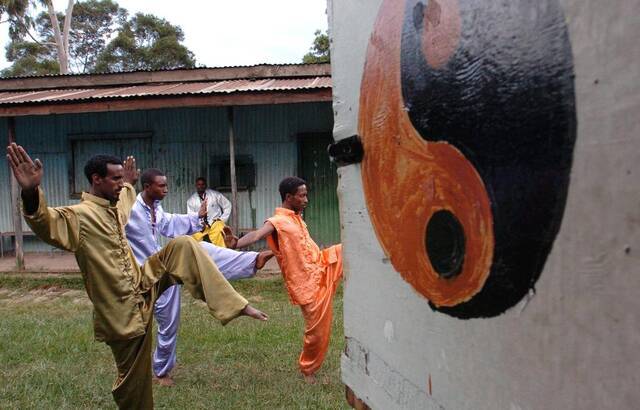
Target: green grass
column 50, row 360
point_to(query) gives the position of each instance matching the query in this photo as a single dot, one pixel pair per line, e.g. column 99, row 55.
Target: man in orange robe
column 311, row 275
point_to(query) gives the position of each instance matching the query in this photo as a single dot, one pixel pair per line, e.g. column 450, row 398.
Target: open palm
column 27, row 172
column 202, row 212
column 131, row 173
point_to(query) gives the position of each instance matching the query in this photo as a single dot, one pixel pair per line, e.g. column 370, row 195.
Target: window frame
column 74, row 139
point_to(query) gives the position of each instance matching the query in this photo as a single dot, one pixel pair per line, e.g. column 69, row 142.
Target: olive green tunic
column 122, row 292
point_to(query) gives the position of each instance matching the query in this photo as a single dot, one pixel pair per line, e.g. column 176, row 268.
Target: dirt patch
column 40, row 295
column 267, row 274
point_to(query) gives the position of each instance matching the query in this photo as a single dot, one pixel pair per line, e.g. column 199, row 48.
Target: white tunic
column 219, row 207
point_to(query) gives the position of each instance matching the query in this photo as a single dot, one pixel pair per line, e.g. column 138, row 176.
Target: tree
column 86, row 40
column 22, row 24
column 15, row 12
column 319, row 51
column 94, row 24
column 11, row 9
column 146, row 42
column 30, row 58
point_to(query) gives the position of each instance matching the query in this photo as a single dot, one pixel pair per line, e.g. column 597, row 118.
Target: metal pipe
column 232, row 173
column 15, row 203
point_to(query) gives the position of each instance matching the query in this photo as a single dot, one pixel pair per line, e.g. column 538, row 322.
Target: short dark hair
column 203, row 179
column 290, row 185
column 98, row 165
column 149, row 174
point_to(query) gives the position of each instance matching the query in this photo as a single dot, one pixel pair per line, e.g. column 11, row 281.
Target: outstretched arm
column 56, row 226
column 253, row 237
column 172, row 225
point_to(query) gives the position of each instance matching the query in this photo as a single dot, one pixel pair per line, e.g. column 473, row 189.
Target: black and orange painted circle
column 439, row 162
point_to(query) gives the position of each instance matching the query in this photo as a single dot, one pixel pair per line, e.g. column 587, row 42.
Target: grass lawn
column 50, row 360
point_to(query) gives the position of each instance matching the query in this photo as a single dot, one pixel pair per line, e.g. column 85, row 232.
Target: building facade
column 277, row 132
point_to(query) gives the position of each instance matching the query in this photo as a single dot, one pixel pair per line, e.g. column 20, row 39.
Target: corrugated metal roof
column 169, row 89
column 149, row 70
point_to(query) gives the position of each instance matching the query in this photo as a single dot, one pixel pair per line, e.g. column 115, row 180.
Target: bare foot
column 262, row 258
column 166, row 381
column 230, row 240
column 254, row 313
column 310, row 378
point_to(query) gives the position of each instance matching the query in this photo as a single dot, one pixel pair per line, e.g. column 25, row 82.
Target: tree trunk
column 68, row 15
column 62, row 41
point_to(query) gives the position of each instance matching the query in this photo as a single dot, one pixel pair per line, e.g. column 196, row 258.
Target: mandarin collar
column 139, row 199
column 97, row 200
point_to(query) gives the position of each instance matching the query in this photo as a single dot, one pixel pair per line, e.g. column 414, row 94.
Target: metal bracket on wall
column 346, row 151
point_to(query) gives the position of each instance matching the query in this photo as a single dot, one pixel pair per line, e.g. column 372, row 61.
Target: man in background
column 217, row 215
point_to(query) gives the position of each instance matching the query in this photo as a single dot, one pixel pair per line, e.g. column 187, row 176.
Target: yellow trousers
column 318, row 316
column 181, row 261
column 212, row 234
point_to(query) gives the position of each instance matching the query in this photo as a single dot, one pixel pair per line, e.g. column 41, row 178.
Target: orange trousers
column 318, row 316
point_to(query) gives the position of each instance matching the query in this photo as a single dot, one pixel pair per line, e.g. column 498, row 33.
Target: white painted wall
column 575, row 344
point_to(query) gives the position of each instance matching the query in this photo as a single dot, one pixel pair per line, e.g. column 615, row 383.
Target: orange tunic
column 311, row 276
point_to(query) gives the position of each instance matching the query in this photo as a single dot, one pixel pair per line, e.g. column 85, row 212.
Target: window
column 85, row 146
column 220, row 173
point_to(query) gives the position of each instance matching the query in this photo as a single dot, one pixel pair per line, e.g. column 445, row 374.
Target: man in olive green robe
column 122, row 292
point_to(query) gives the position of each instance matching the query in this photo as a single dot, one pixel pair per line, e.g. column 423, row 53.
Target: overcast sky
column 233, row 32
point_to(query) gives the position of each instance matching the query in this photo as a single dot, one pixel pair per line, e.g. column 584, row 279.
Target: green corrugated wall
column 322, row 216
column 183, row 140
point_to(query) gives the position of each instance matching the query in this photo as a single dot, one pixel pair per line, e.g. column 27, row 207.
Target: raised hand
column 131, row 173
column 202, row 212
column 28, row 173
